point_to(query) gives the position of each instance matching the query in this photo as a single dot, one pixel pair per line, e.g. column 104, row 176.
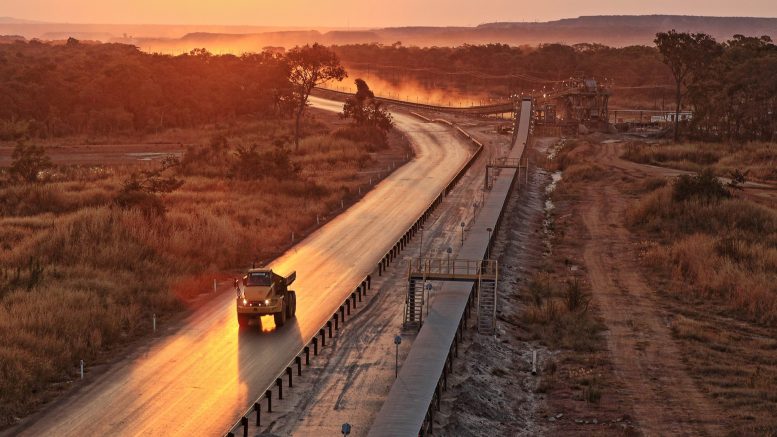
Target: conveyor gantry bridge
column 483, row 273
column 504, row 163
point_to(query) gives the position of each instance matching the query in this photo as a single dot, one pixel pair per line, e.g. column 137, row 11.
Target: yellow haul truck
column 263, row 292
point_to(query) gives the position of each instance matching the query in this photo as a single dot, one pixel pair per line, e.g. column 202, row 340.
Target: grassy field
column 722, row 248
column 81, row 275
column 758, row 159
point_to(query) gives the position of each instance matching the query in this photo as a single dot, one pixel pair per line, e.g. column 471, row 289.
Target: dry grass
column 736, row 365
column 760, row 159
column 81, row 276
column 587, row 172
column 557, row 314
column 725, row 250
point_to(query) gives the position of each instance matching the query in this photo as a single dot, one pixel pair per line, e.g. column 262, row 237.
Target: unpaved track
column 201, row 378
column 755, row 191
column 647, row 360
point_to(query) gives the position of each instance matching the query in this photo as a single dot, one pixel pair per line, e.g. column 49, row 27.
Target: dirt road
column 647, row 360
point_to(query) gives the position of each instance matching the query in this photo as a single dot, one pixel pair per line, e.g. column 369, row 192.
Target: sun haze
column 359, row 13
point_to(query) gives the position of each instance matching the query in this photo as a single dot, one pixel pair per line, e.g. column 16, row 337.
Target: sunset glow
column 356, row 14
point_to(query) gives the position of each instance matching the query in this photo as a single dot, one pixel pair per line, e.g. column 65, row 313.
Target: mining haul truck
column 263, row 292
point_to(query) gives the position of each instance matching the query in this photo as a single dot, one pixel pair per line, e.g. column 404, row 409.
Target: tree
column 685, row 54
column 366, row 111
column 310, row 66
column 28, row 162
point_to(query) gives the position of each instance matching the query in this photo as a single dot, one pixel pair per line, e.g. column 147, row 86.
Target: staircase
column 486, row 306
column 414, row 304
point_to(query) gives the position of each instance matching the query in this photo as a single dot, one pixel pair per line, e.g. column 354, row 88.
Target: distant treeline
column 632, row 65
column 51, row 91
column 635, row 68
column 732, row 89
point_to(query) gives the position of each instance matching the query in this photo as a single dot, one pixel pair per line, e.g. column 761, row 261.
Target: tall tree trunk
column 678, row 97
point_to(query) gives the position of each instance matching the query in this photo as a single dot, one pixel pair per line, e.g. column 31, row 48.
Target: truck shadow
column 263, row 353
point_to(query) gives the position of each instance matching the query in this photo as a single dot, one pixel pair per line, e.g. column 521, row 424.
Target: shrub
column 561, row 319
column 576, row 297
column 593, row 392
column 703, row 186
column 249, row 163
column 28, row 162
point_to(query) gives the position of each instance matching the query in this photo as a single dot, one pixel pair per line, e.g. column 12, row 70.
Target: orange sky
column 360, row 13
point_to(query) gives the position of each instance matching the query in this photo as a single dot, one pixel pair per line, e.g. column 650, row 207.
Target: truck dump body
column 263, row 292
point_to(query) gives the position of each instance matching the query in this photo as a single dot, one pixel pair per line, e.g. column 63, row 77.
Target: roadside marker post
column 82, row 369
column 244, row 422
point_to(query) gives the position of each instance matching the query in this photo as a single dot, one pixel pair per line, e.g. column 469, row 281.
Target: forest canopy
column 52, row 91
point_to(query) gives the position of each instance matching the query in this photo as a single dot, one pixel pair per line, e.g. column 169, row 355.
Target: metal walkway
column 414, row 397
column 483, row 273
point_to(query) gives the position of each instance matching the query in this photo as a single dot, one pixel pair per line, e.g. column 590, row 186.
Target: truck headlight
column 245, row 302
column 267, row 301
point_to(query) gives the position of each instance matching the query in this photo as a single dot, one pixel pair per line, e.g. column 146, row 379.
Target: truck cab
column 263, row 292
